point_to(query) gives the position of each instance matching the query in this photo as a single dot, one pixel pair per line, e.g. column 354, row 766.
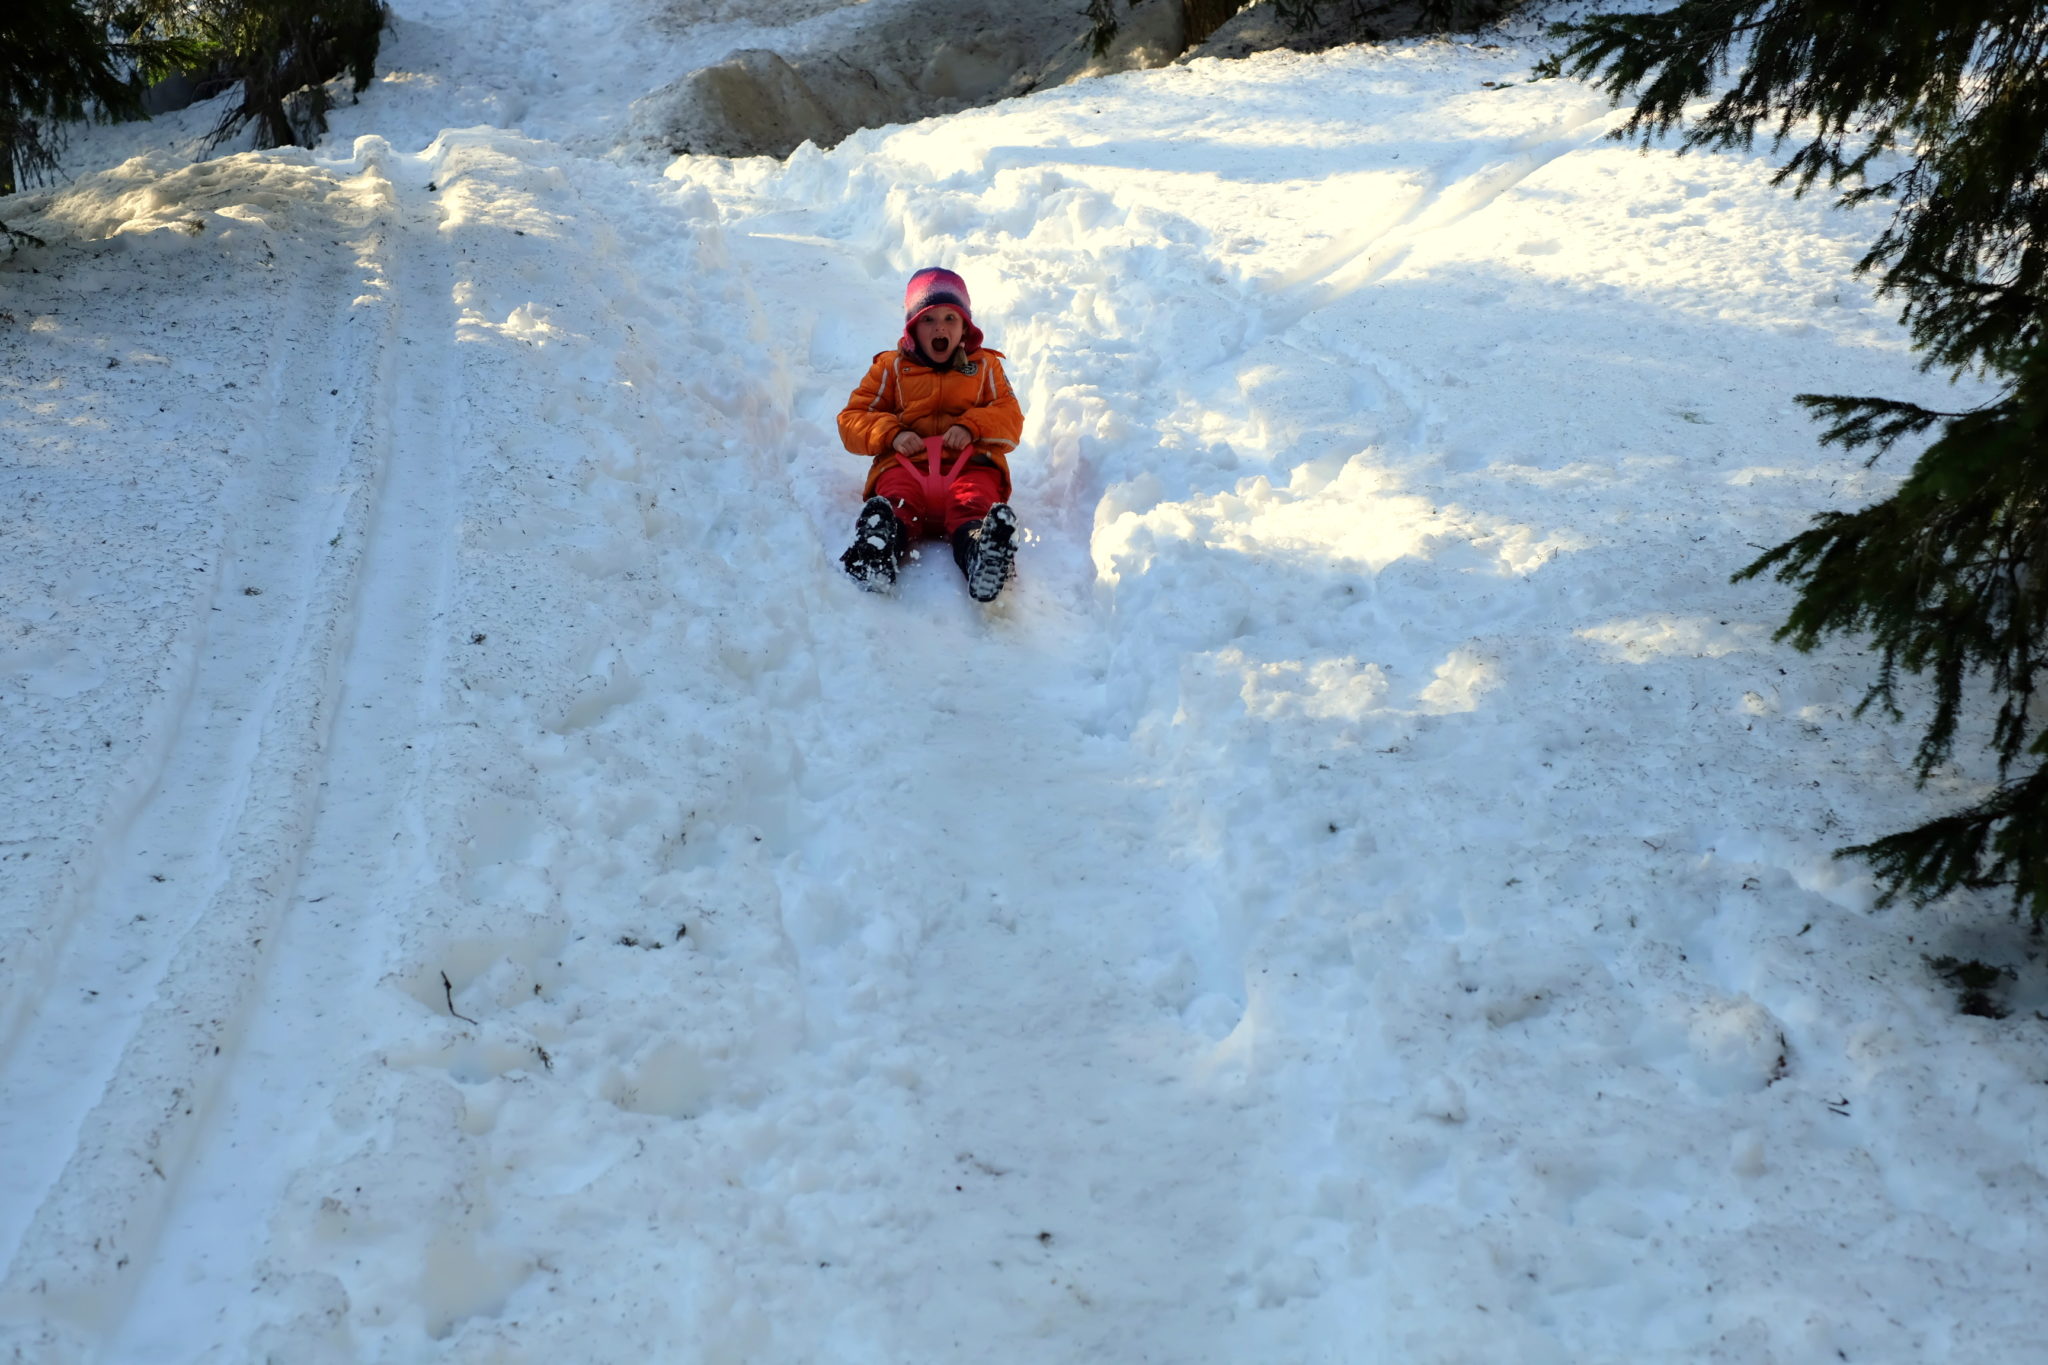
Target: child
column 938, row 419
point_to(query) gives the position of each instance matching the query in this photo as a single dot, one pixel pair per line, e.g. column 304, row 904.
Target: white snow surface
column 480, row 885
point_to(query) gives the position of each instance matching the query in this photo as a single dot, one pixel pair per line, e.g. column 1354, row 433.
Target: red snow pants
column 968, row 499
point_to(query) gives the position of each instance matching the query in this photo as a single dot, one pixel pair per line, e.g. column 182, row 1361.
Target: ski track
column 118, row 1101
column 1459, row 189
column 365, row 840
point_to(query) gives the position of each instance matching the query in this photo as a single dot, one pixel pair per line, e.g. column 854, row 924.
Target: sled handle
column 935, row 477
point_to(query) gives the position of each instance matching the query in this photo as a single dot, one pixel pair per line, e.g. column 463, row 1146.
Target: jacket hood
column 935, row 287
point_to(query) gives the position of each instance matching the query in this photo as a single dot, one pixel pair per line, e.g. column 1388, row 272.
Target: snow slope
column 482, row 887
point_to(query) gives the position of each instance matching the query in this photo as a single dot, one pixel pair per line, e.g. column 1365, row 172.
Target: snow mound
column 892, row 69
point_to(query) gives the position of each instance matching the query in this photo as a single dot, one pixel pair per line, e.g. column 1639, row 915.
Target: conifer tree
column 1941, row 110
column 66, row 60
column 283, row 52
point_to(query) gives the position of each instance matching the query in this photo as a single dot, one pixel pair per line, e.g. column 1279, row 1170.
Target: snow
column 481, row 885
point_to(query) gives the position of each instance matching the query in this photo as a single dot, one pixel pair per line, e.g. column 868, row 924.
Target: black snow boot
column 879, row 540
column 986, row 552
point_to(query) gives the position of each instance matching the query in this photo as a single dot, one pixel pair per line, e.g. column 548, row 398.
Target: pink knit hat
column 932, row 288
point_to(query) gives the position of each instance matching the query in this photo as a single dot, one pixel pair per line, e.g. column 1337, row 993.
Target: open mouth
column 940, row 345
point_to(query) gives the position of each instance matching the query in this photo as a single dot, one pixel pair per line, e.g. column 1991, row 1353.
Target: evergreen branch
column 1670, row 57
column 60, row 63
column 1882, row 422
column 1102, row 25
column 1948, row 577
column 1964, row 86
column 2000, row 841
column 1942, row 576
column 17, row 239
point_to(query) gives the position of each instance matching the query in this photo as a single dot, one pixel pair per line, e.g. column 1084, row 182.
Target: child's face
column 938, row 332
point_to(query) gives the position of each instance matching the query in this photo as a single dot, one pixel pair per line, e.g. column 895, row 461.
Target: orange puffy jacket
column 902, row 393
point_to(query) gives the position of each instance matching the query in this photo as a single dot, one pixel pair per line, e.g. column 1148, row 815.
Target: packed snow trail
column 177, row 916
column 1004, row 1070
column 1362, row 894
column 369, row 821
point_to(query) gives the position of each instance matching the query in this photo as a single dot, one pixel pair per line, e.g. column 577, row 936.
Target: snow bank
column 903, row 62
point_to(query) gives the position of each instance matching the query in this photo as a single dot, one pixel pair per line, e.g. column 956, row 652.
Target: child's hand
column 910, row 443
column 958, row 437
